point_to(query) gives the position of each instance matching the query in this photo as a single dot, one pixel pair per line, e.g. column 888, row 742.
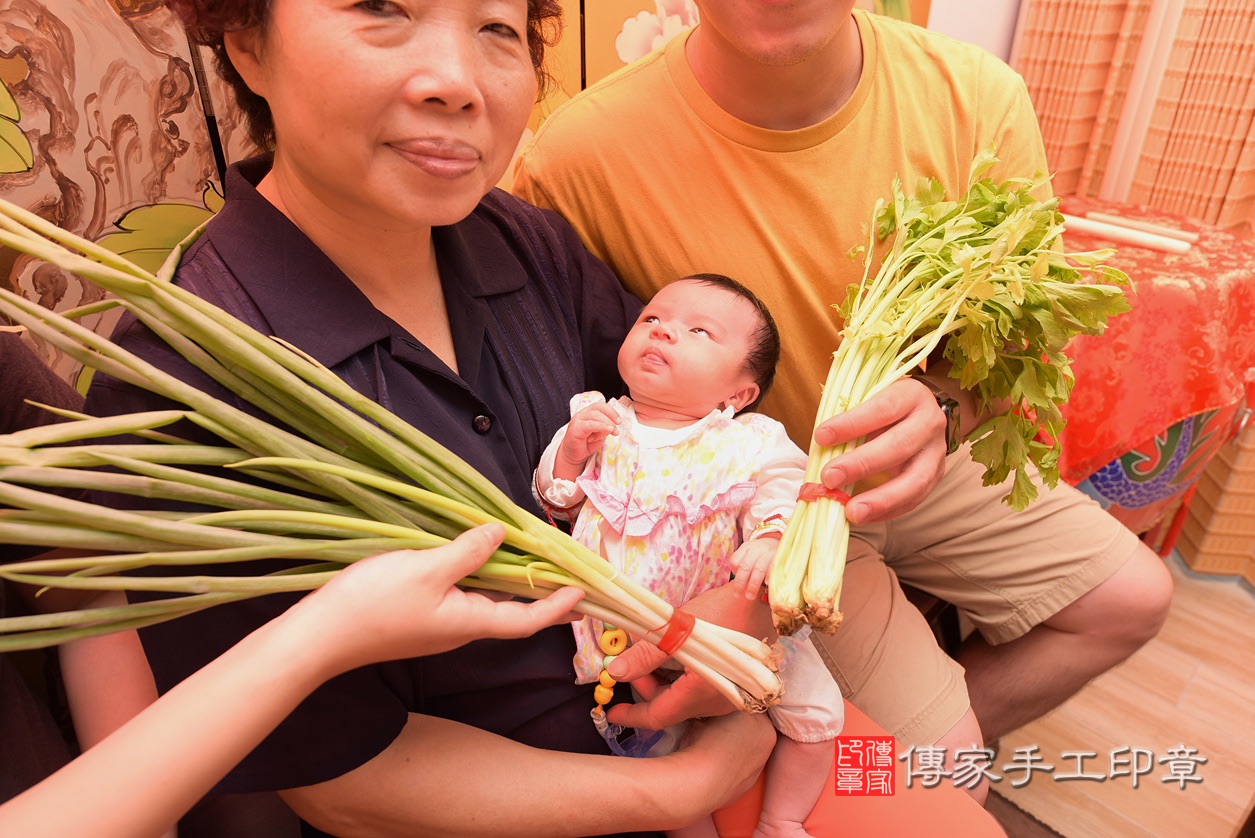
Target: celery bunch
column 353, row 481
column 985, row 274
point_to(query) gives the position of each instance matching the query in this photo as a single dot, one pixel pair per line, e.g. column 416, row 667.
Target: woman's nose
column 445, row 73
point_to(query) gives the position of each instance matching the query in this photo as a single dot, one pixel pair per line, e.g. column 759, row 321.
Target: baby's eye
column 698, row 330
column 649, row 318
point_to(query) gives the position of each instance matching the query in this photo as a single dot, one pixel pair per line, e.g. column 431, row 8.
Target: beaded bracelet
column 614, row 640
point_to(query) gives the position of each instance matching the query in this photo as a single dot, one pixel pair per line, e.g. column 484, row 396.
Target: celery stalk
column 986, row 275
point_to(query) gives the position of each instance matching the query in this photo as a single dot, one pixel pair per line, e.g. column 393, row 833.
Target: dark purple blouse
column 535, row 319
column 31, row 744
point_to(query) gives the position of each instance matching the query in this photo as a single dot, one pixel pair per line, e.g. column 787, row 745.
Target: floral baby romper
column 669, row 507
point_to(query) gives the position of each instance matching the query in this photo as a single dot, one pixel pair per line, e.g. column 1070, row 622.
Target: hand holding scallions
column 397, row 605
column 406, row 604
column 984, row 277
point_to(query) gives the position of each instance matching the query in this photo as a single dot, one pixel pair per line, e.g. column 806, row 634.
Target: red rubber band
column 678, row 629
column 811, row 492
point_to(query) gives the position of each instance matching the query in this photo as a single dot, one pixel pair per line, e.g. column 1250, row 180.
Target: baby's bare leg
column 797, row 773
column 705, row 828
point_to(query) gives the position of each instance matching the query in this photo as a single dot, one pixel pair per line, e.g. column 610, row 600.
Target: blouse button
column 482, row 424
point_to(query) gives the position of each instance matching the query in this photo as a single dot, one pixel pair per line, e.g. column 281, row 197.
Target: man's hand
column 905, row 434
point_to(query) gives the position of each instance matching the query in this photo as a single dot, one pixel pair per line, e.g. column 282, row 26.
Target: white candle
column 1144, row 226
column 1124, row 235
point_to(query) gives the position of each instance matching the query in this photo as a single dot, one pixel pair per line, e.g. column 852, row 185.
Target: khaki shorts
column 1006, row 571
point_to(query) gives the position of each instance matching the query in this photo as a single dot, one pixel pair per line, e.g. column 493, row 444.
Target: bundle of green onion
column 986, row 274
column 352, row 481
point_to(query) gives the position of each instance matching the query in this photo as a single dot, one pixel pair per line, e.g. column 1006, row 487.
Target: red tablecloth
column 1157, row 393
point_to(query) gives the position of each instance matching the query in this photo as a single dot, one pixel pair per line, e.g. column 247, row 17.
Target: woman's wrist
column 291, row 653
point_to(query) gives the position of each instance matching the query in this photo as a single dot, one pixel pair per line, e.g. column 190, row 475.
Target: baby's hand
column 587, row 432
column 752, row 563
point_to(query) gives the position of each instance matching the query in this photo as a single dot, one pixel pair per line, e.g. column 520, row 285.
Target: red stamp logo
column 865, row 765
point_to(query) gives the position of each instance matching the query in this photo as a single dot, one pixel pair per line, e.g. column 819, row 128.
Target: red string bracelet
column 677, row 630
column 811, row 492
column 549, row 508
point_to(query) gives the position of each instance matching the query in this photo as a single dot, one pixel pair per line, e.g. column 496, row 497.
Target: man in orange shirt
column 756, row 146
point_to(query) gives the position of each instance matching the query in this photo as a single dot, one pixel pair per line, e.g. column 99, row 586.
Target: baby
column 683, row 488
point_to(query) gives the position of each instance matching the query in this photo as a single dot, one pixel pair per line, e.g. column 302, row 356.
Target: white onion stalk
column 365, row 482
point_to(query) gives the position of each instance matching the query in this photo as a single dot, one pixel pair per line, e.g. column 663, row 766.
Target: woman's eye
column 379, row 8
column 505, row 30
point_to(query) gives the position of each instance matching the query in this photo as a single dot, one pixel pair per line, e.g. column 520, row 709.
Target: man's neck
column 781, row 98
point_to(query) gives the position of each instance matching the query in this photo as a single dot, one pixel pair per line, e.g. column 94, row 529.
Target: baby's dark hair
column 764, row 354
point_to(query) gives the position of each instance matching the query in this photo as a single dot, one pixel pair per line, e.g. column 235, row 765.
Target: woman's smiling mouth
column 440, row 157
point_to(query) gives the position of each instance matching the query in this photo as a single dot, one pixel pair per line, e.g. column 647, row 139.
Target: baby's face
column 686, row 353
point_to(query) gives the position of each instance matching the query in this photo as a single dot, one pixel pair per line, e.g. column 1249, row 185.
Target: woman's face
column 393, row 113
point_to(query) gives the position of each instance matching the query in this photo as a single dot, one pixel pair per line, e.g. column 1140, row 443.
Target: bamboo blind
column 1197, row 157
column 1076, row 57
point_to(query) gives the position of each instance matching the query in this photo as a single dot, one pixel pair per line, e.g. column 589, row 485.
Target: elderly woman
column 372, row 238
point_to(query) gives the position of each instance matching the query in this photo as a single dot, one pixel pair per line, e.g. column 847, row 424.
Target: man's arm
column 444, row 778
column 972, row 412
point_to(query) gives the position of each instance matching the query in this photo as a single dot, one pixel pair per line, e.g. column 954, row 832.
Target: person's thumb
column 639, row 659
column 467, row 553
column 549, row 610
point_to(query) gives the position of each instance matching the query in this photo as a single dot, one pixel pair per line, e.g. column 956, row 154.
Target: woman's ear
column 244, row 48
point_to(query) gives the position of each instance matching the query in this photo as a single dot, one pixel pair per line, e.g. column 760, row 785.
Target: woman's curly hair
column 207, row 20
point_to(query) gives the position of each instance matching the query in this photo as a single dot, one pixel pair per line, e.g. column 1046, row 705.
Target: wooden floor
column 1192, row 686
